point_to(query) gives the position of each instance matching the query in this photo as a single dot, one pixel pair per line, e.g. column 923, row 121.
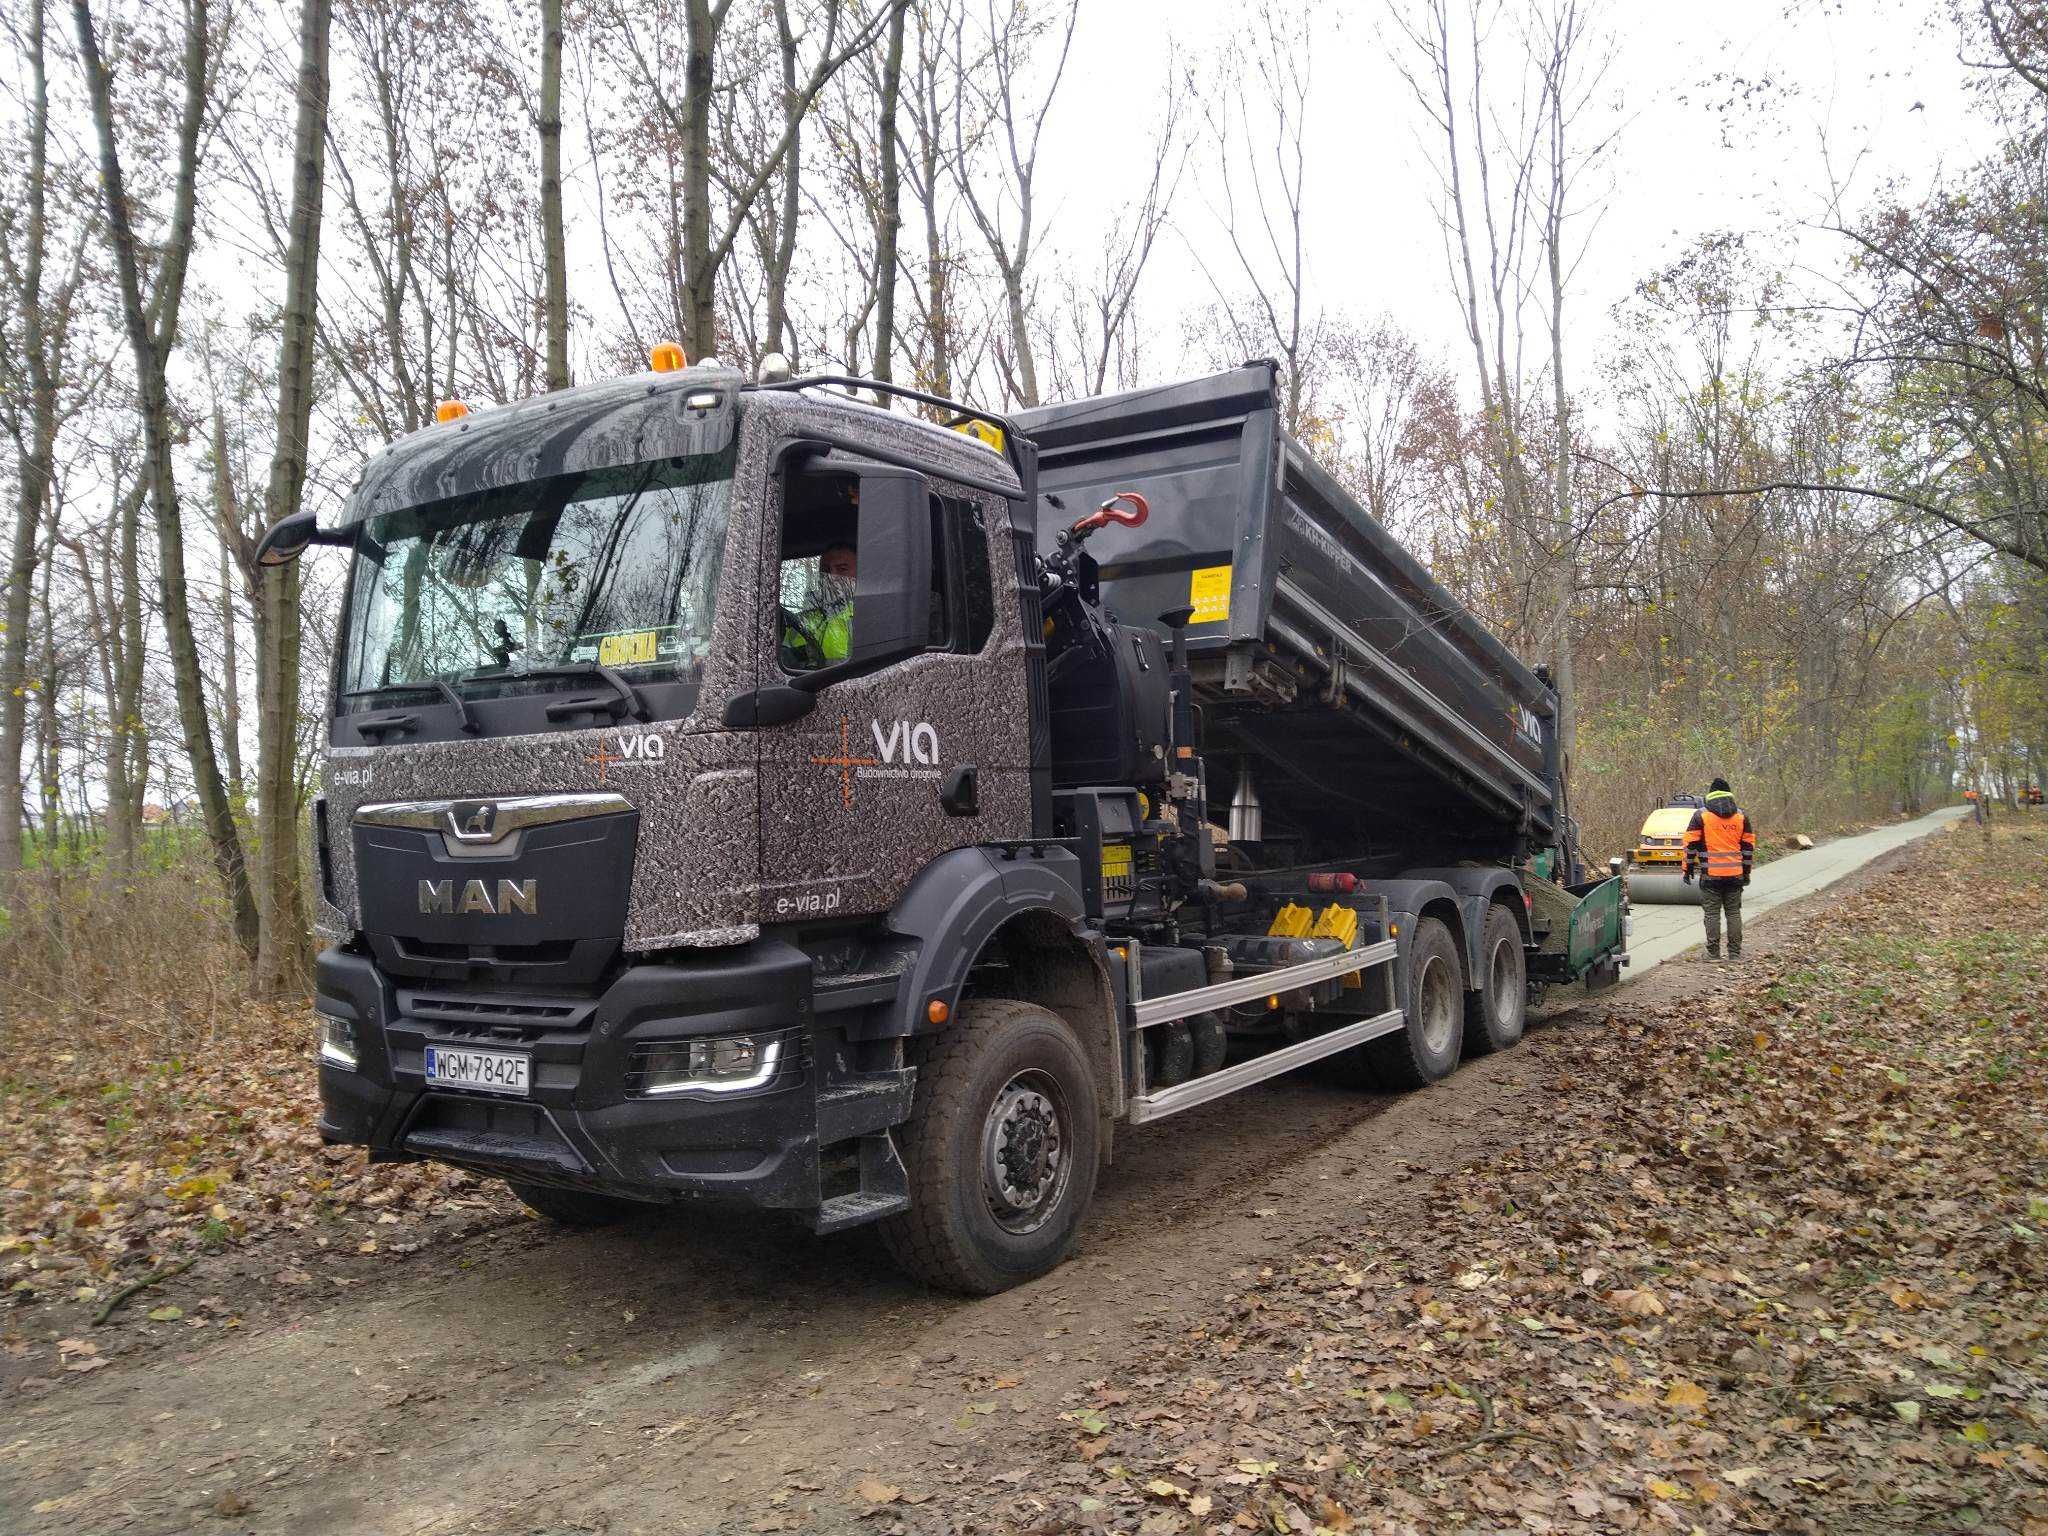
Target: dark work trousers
column 1717, row 897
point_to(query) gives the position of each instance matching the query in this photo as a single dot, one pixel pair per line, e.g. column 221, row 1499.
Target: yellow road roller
column 1656, row 865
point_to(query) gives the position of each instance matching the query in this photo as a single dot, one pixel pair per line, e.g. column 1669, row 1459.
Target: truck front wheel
column 1425, row 1049
column 1496, row 1012
column 1001, row 1148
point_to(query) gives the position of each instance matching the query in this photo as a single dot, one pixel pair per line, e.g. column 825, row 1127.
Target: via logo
column 907, row 742
column 645, row 747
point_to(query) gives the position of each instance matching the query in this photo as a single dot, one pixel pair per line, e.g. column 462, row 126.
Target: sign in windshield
column 615, row 567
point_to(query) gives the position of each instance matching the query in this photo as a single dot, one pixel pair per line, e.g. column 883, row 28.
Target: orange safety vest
column 1720, row 845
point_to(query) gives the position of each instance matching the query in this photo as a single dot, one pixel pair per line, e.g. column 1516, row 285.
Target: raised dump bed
column 1366, row 712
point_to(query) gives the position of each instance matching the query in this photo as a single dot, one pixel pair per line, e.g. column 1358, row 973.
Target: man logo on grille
column 474, row 821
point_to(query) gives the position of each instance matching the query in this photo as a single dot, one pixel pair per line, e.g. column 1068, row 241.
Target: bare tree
column 1382, row 396
column 553, row 238
column 1509, row 155
column 1255, row 115
column 1003, row 206
column 680, row 131
column 152, row 329
column 30, row 363
column 889, row 203
column 1089, row 335
column 280, row 902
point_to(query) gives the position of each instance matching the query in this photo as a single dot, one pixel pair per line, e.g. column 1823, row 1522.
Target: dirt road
column 1662, row 932
column 698, row 1375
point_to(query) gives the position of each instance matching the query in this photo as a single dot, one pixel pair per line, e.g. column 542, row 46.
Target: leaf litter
column 1772, row 1260
column 146, row 1152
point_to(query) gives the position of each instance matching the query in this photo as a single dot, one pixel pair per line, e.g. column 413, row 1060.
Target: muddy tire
column 1497, row 1012
column 1001, row 1148
column 576, row 1207
column 1425, row 1049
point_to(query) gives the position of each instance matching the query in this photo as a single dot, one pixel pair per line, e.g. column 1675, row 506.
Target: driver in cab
column 819, row 632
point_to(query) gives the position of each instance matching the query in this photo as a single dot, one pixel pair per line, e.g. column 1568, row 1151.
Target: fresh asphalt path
column 1662, row 932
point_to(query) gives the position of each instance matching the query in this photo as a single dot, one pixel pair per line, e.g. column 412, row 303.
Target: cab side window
column 819, row 565
column 966, row 601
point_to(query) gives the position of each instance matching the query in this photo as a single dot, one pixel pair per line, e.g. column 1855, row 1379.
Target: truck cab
column 733, row 793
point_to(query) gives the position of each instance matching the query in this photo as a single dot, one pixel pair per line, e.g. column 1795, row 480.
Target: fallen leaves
column 1632, row 1303
column 1768, row 1259
column 1685, row 1394
column 154, row 1146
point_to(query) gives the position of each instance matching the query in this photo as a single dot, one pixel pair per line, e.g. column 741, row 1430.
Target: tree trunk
column 282, row 946
column 1560, row 562
column 131, row 733
column 553, row 239
column 32, row 476
column 50, row 761
column 889, row 217
column 228, row 511
column 151, row 345
column 779, row 253
column 700, row 278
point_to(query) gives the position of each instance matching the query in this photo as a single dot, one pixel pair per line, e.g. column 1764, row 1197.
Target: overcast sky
column 1733, row 115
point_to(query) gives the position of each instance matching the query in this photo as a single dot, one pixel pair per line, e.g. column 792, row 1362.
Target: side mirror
column 286, row 539
column 892, row 595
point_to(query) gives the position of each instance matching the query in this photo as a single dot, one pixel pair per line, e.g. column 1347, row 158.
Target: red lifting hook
column 1106, row 514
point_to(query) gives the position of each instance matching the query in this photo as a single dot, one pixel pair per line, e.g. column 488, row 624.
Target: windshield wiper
column 439, row 685
column 626, row 700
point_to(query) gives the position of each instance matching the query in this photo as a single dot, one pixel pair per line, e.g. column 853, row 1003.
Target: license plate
column 451, row 1066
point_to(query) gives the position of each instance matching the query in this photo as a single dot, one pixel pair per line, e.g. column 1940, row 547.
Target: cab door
column 892, row 768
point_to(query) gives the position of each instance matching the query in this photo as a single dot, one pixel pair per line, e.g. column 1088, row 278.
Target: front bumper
column 579, row 1127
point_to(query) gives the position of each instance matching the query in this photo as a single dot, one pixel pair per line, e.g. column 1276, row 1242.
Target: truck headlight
column 715, row 1065
column 337, row 1041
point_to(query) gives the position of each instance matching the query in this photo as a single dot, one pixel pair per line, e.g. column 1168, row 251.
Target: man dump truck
column 1149, row 767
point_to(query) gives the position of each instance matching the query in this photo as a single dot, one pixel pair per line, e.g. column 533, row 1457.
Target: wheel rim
column 1506, row 982
column 1024, row 1162
column 1435, row 1000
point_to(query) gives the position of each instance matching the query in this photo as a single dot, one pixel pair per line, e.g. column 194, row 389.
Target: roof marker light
column 666, row 357
column 450, row 410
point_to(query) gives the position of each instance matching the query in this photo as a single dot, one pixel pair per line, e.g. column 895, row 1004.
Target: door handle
column 959, row 792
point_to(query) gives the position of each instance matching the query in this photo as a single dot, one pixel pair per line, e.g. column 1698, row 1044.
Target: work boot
column 1713, row 954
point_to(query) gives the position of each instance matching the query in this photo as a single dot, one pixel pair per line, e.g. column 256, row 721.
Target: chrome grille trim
column 514, row 813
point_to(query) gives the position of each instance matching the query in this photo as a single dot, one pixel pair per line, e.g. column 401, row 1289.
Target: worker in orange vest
column 1720, row 852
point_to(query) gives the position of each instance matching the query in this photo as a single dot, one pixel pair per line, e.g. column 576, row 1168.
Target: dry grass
column 154, row 950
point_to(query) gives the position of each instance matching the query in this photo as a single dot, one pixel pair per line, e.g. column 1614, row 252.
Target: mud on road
column 705, row 1373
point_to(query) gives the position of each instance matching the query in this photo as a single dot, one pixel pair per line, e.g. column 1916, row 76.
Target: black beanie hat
column 1720, row 785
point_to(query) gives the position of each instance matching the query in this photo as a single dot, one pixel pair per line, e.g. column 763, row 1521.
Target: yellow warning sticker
column 1116, row 861
column 629, row 648
column 1209, row 591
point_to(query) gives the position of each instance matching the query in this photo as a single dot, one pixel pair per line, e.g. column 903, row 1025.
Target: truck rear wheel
column 575, row 1207
column 1001, row 1148
column 1496, row 1013
column 1425, row 1049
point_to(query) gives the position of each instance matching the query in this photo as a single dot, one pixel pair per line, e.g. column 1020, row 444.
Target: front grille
column 547, row 952
column 482, row 1010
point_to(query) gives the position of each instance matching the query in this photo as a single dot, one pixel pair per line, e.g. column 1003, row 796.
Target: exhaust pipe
column 1247, row 818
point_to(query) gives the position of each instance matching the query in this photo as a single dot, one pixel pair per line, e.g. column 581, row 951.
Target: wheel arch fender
column 1470, row 890
column 1411, row 897
column 974, row 900
column 959, row 902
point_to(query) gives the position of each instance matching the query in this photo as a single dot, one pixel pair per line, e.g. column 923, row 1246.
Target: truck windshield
column 615, row 566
